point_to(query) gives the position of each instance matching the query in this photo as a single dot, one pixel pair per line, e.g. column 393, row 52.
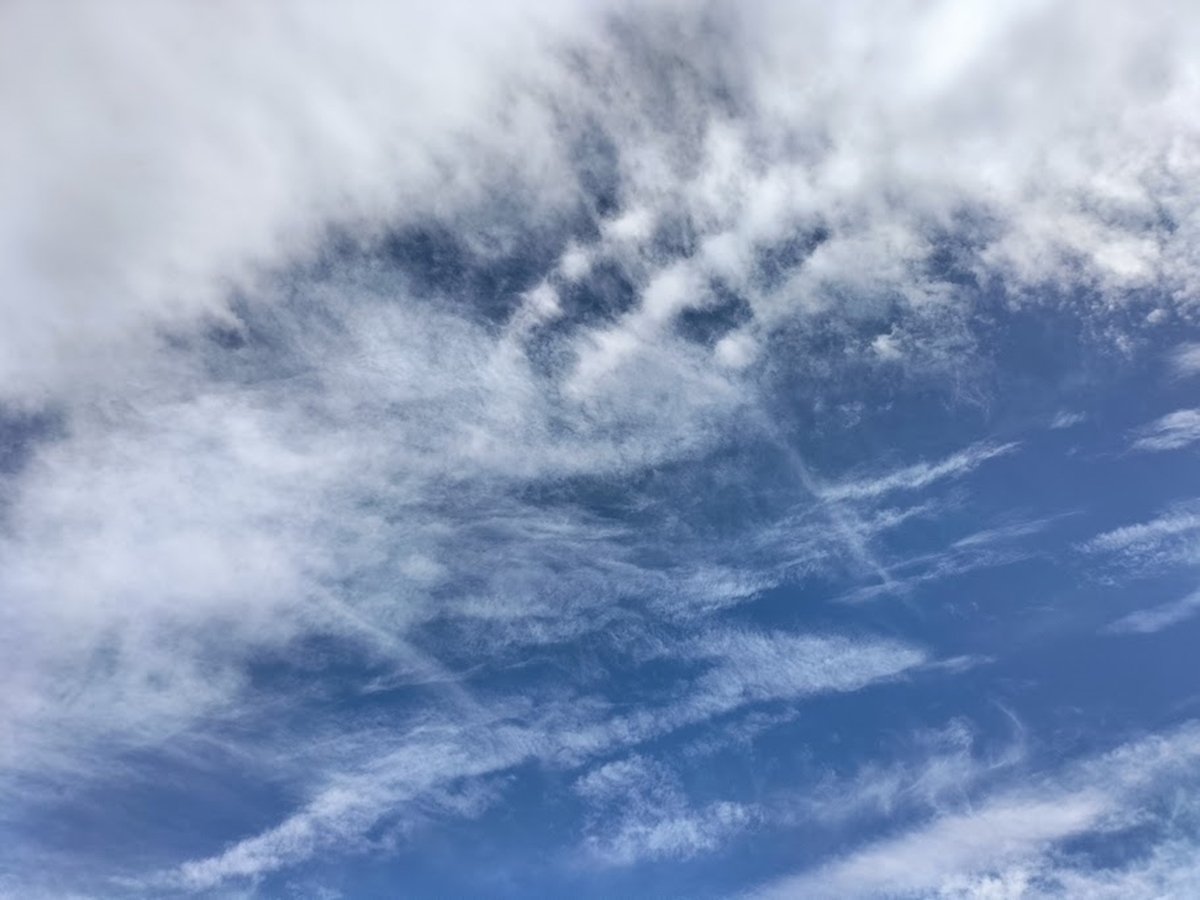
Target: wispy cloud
column 339, row 816
column 754, row 667
column 989, row 548
column 471, row 743
column 997, row 834
column 1147, row 535
column 1008, row 842
column 1185, row 359
column 1065, row 419
column 1171, row 539
column 935, row 770
column 1156, row 618
column 916, row 477
column 428, row 333
column 1172, row 432
column 640, row 812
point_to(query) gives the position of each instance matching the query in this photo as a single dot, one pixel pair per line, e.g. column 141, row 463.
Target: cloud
column 1172, row 432
column 1005, row 842
column 755, row 667
column 351, row 803
column 937, row 769
column 189, row 188
column 470, row 739
column 1146, row 535
column 1185, row 360
column 916, row 477
column 1170, row 871
column 918, row 863
column 1148, row 621
column 1168, row 540
column 988, row 548
column 640, row 813
column 1065, row 419
column 410, row 329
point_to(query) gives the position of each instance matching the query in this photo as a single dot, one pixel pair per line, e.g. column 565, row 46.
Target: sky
column 657, row 449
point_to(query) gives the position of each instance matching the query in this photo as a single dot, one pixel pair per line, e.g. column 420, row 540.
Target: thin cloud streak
column 1185, row 360
column 1014, row 831
column 747, row 669
column 918, row 476
column 640, row 812
column 1172, row 432
column 1157, row 618
column 1146, row 534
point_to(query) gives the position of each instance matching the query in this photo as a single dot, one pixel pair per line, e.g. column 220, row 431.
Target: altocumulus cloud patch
column 699, row 450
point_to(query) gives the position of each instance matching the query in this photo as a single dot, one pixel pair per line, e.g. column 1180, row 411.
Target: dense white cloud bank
column 161, row 157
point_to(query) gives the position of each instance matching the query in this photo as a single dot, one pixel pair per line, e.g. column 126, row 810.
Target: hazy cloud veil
column 652, row 449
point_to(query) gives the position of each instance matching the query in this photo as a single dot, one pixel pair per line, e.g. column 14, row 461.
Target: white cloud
column 921, row 862
column 1172, row 432
column 988, row 548
column 1185, row 359
column 352, row 801
column 915, row 477
column 188, row 186
column 1171, row 539
column 1005, row 847
column 466, row 740
column 147, row 180
column 753, row 667
column 1156, row 618
column 640, row 812
column 1146, row 534
column 364, row 463
column 666, row 835
column 1171, row 870
column 937, row 770
column 1065, row 419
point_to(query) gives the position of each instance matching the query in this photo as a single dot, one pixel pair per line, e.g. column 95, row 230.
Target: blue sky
column 695, row 450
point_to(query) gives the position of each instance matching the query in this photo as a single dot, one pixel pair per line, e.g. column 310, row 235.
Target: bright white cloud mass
column 592, row 449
